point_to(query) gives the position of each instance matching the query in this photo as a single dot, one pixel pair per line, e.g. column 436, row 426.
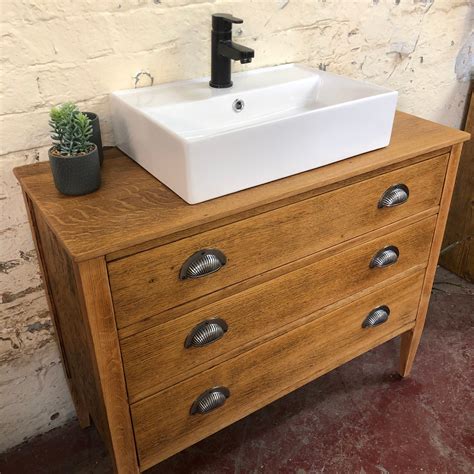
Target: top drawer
column 149, row 282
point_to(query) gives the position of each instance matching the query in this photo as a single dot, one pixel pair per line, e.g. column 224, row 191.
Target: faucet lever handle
column 223, row 21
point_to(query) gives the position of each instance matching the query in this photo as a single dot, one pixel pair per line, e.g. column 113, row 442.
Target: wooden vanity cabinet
column 175, row 321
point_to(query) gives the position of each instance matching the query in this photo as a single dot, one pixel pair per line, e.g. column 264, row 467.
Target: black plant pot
column 96, row 138
column 76, row 175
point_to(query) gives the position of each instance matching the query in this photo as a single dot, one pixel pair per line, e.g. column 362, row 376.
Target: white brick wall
column 57, row 50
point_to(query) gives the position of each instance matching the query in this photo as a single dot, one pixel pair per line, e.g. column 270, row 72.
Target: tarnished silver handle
column 376, row 317
column 202, row 263
column 206, row 333
column 385, row 257
column 394, row 196
column 210, row 400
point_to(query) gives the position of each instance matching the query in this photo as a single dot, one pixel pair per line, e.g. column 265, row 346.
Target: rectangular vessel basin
column 292, row 118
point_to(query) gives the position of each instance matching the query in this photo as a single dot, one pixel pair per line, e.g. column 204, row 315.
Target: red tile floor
column 360, row 418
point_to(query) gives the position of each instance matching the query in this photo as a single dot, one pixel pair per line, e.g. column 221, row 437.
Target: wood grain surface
column 219, row 295
column 132, row 207
column 163, row 424
column 156, row 358
column 147, row 283
column 411, row 340
column 97, row 308
column 69, row 324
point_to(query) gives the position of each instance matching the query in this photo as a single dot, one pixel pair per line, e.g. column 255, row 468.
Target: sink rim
column 237, row 86
column 295, row 113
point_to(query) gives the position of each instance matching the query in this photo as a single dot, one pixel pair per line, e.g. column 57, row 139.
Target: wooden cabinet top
column 132, row 210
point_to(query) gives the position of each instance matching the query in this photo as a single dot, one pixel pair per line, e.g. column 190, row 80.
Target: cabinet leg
column 411, row 339
column 98, row 312
column 81, row 408
column 84, row 418
column 408, row 348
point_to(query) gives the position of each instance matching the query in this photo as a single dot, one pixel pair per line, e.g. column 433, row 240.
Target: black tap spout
column 235, row 51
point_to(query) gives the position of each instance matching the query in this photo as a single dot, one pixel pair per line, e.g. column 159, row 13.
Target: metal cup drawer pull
column 376, row 317
column 202, row 263
column 206, row 333
column 394, row 196
column 385, row 257
column 210, row 400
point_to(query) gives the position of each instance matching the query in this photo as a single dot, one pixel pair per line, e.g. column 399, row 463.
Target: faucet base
column 219, row 85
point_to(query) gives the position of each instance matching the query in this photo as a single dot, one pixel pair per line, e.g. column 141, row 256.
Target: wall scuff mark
column 464, row 67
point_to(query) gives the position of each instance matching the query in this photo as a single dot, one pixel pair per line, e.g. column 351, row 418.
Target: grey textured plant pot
column 76, row 175
column 96, row 137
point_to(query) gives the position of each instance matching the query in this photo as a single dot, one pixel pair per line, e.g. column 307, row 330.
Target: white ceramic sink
column 294, row 119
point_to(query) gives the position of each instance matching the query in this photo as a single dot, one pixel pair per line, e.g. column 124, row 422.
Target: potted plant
column 96, row 137
column 73, row 158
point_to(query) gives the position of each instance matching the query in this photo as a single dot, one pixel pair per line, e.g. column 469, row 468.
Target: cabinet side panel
column 458, row 244
column 72, row 334
column 82, row 309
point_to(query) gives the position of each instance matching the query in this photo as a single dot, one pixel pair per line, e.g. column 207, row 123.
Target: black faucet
column 224, row 49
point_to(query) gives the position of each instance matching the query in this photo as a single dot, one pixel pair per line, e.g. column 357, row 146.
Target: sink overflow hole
column 238, row 105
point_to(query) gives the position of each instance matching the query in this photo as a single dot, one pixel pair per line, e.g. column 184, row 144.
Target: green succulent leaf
column 71, row 130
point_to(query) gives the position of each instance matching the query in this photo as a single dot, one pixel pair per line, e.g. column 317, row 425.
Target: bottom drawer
column 163, row 423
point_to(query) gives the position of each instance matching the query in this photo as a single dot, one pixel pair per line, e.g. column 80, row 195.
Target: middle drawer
column 157, row 357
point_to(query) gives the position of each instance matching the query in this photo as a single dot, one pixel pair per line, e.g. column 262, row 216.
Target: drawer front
column 163, row 423
column 156, row 358
column 148, row 283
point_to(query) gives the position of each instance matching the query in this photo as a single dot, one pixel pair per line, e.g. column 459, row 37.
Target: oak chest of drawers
column 175, row 320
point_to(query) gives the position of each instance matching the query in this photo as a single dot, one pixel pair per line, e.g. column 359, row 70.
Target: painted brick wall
column 80, row 50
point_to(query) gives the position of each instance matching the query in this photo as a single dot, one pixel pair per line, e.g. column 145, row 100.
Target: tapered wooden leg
column 411, row 339
column 84, row 419
column 82, row 414
column 408, row 348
